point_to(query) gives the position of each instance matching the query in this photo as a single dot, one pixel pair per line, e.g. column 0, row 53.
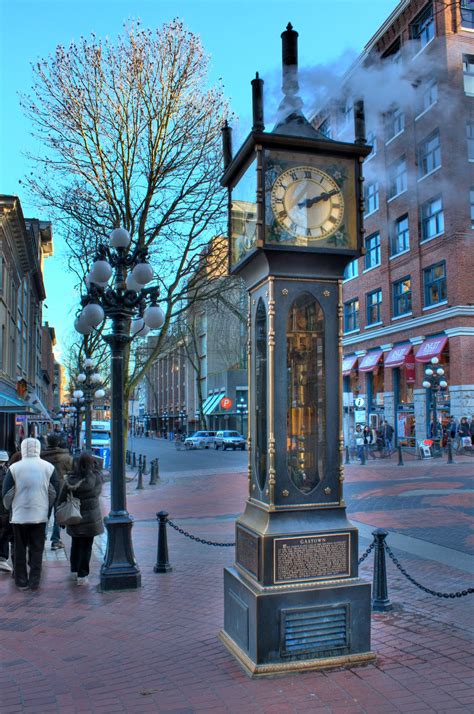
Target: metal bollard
column 348, row 457
column 126, row 456
column 134, row 460
column 400, row 456
column 152, row 473
column 140, row 459
column 162, row 561
column 450, row 452
column 140, row 485
column 144, row 465
column 380, row 599
column 362, row 458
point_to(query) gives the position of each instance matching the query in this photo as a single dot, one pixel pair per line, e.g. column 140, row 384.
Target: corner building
column 411, row 296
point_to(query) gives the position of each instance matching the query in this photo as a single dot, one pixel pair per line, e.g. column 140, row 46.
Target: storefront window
column 306, row 394
column 261, row 393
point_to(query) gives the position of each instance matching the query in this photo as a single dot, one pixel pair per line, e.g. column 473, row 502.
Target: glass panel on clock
column 306, row 393
column 261, row 393
column 243, row 215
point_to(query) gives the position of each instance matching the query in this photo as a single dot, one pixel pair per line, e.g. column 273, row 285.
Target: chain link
column 198, row 540
column 367, row 552
column 461, row 593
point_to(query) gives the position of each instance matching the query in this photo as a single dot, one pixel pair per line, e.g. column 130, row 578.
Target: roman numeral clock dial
column 307, row 203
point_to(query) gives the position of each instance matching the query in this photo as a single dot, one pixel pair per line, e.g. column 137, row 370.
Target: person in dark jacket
column 6, row 532
column 85, row 483
column 464, row 431
column 57, row 453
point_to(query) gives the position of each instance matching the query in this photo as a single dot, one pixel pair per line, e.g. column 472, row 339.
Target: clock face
column 307, row 203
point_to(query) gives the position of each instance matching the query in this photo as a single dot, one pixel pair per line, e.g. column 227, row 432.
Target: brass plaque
column 247, row 550
column 322, row 556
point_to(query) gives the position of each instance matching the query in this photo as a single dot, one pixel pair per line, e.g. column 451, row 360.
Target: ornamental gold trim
column 271, row 392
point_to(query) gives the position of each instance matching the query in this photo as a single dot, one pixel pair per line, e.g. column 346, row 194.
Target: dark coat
column 87, row 489
column 61, row 460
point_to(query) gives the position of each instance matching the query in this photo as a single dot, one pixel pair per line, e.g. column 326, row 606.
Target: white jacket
column 32, row 476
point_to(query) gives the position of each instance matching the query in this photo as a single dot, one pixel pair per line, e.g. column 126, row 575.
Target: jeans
column 56, row 532
column 81, row 551
column 31, row 537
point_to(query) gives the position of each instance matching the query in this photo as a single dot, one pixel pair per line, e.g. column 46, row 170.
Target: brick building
column 411, row 296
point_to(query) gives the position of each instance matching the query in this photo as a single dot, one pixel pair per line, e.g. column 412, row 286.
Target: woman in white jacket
column 34, row 485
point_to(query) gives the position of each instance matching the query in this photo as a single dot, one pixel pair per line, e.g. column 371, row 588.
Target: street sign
column 226, row 403
column 359, row 402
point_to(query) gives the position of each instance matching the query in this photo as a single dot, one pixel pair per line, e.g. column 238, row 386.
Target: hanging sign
column 410, row 369
column 226, row 403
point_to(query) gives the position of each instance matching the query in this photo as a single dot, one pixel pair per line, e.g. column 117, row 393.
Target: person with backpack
column 85, row 483
column 30, row 488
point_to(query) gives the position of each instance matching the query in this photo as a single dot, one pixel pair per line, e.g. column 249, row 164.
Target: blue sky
column 241, row 37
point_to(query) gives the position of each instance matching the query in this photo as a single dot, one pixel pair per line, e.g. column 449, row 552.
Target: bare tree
column 131, row 137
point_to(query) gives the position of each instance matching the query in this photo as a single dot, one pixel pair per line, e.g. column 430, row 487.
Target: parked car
column 200, row 440
column 229, row 440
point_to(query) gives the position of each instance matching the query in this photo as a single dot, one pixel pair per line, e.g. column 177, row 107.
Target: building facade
column 411, row 296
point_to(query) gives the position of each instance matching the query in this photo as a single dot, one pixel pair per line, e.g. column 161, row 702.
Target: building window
column 468, row 69
column 423, row 28
column 397, row 174
column 470, row 140
column 434, row 279
column 325, row 128
column 351, row 315
column 467, row 14
column 351, row 270
column 471, row 201
column 401, row 236
column 372, row 141
column 374, row 301
column 402, row 296
column 394, row 122
column 432, row 218
column 371, row 196
column 394, row 52
column 430, row 95
column 429, row 154
column 372, row 248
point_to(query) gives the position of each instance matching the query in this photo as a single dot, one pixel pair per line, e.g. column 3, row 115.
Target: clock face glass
column 310, row 201
column 243, row 215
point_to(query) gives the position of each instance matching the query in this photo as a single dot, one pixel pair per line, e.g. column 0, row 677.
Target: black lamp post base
column 119, row 570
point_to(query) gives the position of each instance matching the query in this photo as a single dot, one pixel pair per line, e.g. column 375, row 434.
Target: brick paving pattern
column 75, row 650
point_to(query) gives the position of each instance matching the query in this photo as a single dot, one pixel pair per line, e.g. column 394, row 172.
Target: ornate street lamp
column 133, row 311
column 90, row 381
column 435, row 382
column 182, row 417
column 243, row 411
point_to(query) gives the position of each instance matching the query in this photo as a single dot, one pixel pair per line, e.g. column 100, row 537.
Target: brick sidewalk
column 74, row 650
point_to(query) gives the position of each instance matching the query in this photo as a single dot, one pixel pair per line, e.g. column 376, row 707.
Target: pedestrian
column 368, row 439
column 471, row 429
column 464, row 432
column 57, row 454
column 359, row 440
column 452, row 428
column 85, row 483
column 387, row 435
column 33, row 484
column 6, row 532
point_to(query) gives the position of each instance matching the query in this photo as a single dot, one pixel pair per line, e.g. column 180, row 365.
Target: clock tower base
column 296, row 629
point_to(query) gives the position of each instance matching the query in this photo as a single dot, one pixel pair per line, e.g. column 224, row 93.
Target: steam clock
column 293, row 599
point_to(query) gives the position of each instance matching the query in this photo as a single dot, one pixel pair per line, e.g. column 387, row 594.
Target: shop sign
column 410, row 369
column 359, row 403
column 20, row 419
column 226, row 403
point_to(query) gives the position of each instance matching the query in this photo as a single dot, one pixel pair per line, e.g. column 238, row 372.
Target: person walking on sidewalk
column 6, row 533
column 57, row 453
column 387, row 435
column 471, row 429
column 359, row 440
column 85, row 483
column 34, row 486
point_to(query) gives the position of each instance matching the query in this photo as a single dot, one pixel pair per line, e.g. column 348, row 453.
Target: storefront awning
column 432, row 347
column 348, row 364
column 369, row 362
column 397, row 355
column 211, row 402
column 10, row 402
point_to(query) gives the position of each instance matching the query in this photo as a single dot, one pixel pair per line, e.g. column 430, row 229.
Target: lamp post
column 90, row 381
column 435, row 382
column 132, row 310
column 182, row 418
column 164, row 417
column 243, row 411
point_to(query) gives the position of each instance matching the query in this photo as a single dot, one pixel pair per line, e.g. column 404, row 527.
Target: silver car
column 229, row 440
column 200, row 440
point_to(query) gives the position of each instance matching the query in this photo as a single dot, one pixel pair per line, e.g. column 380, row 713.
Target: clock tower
column 294, row 600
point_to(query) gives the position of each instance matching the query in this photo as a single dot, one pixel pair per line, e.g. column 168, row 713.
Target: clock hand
column 308, row 202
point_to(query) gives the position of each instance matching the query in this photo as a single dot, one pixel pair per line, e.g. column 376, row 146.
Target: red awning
column 397, row 355
column 348, row 364
column 369, row 362
column 432, row 347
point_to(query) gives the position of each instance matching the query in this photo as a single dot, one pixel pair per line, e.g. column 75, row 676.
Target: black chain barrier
column 393, row 558
column 198, row 540
column 367, row 552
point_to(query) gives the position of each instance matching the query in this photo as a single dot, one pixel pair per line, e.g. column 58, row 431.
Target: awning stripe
column 348, row 364
column 397, row 355
column 369, row 362
column 215, row 399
